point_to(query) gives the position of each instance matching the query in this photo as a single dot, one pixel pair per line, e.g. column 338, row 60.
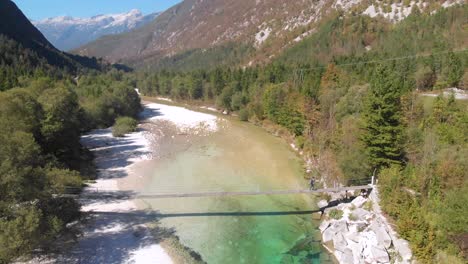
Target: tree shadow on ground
column 150, row 113
column 113, row 155
column 111, row 238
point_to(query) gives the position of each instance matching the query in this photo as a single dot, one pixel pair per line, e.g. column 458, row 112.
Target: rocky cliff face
column 266, row 25
column 68, row 33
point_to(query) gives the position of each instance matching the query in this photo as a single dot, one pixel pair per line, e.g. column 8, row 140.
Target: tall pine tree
column 383, row 127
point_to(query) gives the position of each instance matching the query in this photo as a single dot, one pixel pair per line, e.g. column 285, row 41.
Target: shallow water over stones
column 245, row 229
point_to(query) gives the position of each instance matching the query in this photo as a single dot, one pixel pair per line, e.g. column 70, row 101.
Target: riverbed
column 237, row 156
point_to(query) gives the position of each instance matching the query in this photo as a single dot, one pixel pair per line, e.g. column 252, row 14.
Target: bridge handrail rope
column 250, row 193
column 218, row 193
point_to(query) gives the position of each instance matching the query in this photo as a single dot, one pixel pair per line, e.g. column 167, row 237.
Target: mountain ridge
column 67, row 32
column 266, row 26
column 25, row 50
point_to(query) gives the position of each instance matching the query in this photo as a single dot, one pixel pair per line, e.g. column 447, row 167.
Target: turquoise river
column 245, row 229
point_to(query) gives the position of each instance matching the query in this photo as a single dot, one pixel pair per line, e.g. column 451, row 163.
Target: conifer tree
column 383, row 134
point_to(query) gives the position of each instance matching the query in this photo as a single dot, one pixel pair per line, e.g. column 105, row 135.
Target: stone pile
column 361, row 235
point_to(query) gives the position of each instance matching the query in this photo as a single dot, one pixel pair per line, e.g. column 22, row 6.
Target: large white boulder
column 357, row 251
column 403, row 248
column 379, row 255
column 338, row 254
column 366, row 241
column 339, row 242
column 352, row 237
column 346, row 257
column 361, row 214
column 359, row 201
column 336, row 227
column 383, row 238
column 324, row 225
column 328, row 234
column 340, row 226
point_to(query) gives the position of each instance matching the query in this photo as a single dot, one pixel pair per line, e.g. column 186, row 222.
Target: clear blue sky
column 40, row 9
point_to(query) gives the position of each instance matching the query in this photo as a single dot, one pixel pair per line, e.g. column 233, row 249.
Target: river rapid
column 246, row 229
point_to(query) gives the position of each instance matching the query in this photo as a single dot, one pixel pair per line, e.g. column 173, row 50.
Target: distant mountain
column 24, row 50
column 68, row 33
column 267, row 26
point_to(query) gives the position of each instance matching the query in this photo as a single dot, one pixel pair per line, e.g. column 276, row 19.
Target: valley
column 220, row 96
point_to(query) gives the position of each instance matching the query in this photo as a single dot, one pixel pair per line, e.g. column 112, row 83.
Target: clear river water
column 244, row 229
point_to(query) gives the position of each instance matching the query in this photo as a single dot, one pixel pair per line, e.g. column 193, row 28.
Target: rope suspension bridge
column 98, row 193
column 249, row 193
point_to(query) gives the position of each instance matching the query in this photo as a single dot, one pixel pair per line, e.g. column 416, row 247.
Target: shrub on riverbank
column 244, row 115
column 41, row 157
column 336, row 214
column 124, row 125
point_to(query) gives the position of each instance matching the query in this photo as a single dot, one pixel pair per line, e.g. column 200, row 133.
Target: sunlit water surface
column 245, row 229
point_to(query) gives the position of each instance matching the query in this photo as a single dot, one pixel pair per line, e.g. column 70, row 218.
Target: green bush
column 335, row 214
column 124, row 125
column 368, row 205
column 244, row 115
column 300, row 141
column 325, row 196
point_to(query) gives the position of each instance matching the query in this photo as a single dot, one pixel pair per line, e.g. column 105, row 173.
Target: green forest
column 43, row 112
column 353, row 110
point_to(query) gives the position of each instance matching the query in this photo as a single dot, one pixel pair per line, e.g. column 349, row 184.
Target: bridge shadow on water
column 152, row 214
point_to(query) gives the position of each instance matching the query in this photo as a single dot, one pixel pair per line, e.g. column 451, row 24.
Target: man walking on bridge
column 312, row 183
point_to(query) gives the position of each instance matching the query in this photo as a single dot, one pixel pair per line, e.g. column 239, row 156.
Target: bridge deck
column 249, row 193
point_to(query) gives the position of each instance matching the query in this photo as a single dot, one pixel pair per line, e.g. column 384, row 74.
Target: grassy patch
column 124, row 125
column 336, row 214
column 368, row 205
column 352, row 217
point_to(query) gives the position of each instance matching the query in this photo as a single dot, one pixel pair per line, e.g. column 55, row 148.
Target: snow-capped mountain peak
column 67, row 32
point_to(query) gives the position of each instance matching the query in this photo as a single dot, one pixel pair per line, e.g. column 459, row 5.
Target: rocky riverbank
column 357, row 232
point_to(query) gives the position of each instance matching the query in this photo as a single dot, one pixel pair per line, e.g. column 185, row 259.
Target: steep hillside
column 68, row 33
column 14, row 25
column 364, row 36
column 266, row 26
column 25, row 51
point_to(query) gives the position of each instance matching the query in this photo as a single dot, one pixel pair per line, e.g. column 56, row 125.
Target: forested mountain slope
column 24, row 49
column 203, row 28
